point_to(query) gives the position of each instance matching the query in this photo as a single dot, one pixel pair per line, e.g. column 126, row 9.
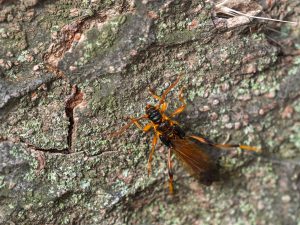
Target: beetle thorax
column 153, row 114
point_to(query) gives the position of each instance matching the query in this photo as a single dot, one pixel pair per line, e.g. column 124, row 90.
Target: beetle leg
column 135, row 121
column 152, row 93
column 170, row 172
column 182, row 107
column 202, row 140
column 147, row 127
column 164, row 107
column 165, row 93
column 125, row 127
column 154, row 141
column 244, row 147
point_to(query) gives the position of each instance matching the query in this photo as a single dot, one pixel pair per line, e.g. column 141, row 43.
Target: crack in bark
column 72, row 101
column 34, row 147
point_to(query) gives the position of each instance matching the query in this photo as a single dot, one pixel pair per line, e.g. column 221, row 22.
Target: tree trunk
column 72, row 71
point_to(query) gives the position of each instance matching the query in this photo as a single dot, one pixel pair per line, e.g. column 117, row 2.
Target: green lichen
column 295, row 135
column 18, row 152
column 295, row 69
column 22, row 56
column 100, row 41
column 36, row 128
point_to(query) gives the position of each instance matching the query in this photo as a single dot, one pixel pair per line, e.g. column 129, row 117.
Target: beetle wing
column 196, row 160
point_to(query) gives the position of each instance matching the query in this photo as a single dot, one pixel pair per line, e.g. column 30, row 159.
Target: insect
column 195, row 158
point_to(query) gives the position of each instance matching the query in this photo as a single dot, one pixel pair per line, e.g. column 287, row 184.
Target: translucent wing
column 196, row 160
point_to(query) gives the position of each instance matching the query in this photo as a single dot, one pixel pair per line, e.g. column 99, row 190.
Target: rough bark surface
column 70, row 73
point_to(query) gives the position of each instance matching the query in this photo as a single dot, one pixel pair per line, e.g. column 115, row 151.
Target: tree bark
column 70, row 73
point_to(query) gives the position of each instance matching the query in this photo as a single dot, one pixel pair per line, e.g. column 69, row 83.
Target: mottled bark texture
column 71, row 71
